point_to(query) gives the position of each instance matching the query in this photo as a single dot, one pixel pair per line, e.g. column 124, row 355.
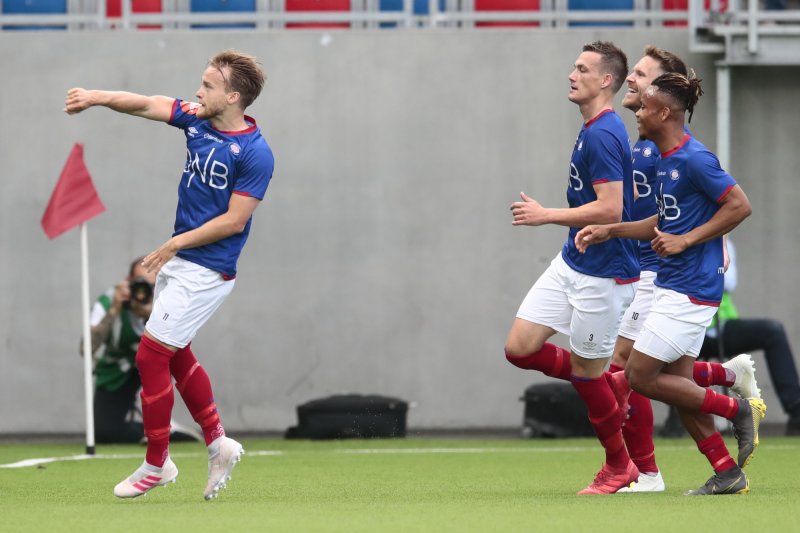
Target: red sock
column 152, row 360
column 637, row 428
column 706, row 374
column 719, row 404
column 604, row 416
column 193, row 384
column 551, row 360
column 714, row 449
column 609, row 375
column 638, row 433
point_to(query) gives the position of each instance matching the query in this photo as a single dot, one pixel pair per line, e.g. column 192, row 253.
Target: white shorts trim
column 186, row 295
column 586, row 308
column 675, row 327
column 636, row 313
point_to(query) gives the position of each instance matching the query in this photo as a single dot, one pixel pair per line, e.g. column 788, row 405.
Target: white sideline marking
column 83, row 457
column 264, row 452
column 44, row 460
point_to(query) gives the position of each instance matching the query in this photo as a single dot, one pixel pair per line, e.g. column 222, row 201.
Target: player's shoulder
column 257, row 151
column 696, row 152
column 700, row 160
column 256, row 144
column 607, row 125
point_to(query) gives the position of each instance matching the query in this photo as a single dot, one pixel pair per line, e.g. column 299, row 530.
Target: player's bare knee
column 636, row 382
column 518, row 350
column 619, row 358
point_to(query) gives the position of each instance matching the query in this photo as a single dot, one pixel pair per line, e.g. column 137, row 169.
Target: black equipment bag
column 555, row 410
column 346, row 416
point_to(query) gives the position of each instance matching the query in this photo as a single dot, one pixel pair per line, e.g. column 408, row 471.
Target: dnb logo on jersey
column 190, row 108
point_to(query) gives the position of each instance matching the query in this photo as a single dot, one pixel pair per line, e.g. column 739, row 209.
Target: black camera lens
column 141, row 291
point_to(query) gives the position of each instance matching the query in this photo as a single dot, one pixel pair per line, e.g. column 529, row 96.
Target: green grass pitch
column 403, row 485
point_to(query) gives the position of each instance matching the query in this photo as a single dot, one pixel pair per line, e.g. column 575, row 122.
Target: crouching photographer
column 117, row 323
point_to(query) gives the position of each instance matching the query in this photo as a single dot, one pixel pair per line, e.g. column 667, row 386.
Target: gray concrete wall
column 383, row 259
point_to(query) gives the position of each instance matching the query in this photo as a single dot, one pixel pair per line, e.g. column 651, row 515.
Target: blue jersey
column 218, row 164
column 645, row 157
column 692, row 185
column 602, row 154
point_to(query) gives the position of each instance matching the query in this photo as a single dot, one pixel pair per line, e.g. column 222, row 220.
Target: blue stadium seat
column 420, row 8
column 600, row 5
column 30, row 7
column 222, row 6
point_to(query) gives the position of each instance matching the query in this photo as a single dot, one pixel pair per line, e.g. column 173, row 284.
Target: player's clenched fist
column 77, row 100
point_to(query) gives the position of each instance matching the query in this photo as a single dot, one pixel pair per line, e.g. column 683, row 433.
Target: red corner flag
column 74, row 200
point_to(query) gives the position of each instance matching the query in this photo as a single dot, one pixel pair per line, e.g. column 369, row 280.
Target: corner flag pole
column 87, row 341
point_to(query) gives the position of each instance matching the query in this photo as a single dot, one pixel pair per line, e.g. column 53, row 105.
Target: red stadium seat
column 506, row 5
column 114, row 10
column 683, row 5
column 301, row 6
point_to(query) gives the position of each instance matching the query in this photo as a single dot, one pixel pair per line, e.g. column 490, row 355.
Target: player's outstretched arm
column 150, row 107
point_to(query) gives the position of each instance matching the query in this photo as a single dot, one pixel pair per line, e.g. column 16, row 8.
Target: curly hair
column 684, row 91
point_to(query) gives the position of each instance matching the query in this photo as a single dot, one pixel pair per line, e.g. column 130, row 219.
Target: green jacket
column 117, row 361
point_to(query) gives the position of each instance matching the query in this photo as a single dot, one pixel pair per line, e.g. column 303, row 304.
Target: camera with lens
column 141, row 291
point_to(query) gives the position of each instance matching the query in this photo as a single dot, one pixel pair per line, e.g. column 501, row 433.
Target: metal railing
column 708, row 28
column 91, row 15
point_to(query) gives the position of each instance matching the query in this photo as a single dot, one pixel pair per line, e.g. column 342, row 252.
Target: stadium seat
column 31, row 7
column 421, row 7
column 600, row 5
column 114, row 10
column 506, row 5
column 222, row 6
column 683, row 5
column 317, row 6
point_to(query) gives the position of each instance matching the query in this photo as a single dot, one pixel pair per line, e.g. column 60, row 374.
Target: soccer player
column 698, row 203
column 584, row 295
column 117, row 324
column 738, row 373
column 228, row 167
